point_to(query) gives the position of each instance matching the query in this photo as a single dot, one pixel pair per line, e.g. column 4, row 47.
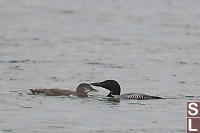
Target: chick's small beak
column 87, row 91
column 90, row 89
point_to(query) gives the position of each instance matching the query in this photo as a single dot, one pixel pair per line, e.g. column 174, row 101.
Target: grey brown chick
column 81, row 91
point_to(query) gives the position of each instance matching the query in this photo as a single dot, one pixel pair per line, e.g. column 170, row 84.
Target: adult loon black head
column 114, row 88
column 112, row 85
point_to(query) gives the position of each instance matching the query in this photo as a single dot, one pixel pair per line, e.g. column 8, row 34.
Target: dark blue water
column 151, row 47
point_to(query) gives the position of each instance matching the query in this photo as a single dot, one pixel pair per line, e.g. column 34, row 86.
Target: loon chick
column 114, row 88
column 81, row 91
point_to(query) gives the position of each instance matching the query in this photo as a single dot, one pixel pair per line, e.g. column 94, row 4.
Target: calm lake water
column 148, row 46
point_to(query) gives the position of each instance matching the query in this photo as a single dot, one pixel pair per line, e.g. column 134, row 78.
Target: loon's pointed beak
column 94, row 89
column 96, row 84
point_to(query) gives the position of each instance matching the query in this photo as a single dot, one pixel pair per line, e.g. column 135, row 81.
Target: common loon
column 81, row 91
column 114, row 88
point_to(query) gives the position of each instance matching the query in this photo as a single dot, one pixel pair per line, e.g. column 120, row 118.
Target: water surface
column 151, row 47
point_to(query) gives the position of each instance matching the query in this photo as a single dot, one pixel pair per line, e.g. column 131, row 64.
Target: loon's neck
column 110, row 95
column 114, row 96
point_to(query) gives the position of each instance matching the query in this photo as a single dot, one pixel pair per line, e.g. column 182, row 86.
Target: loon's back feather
column 52, row 92
column 138, row 96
